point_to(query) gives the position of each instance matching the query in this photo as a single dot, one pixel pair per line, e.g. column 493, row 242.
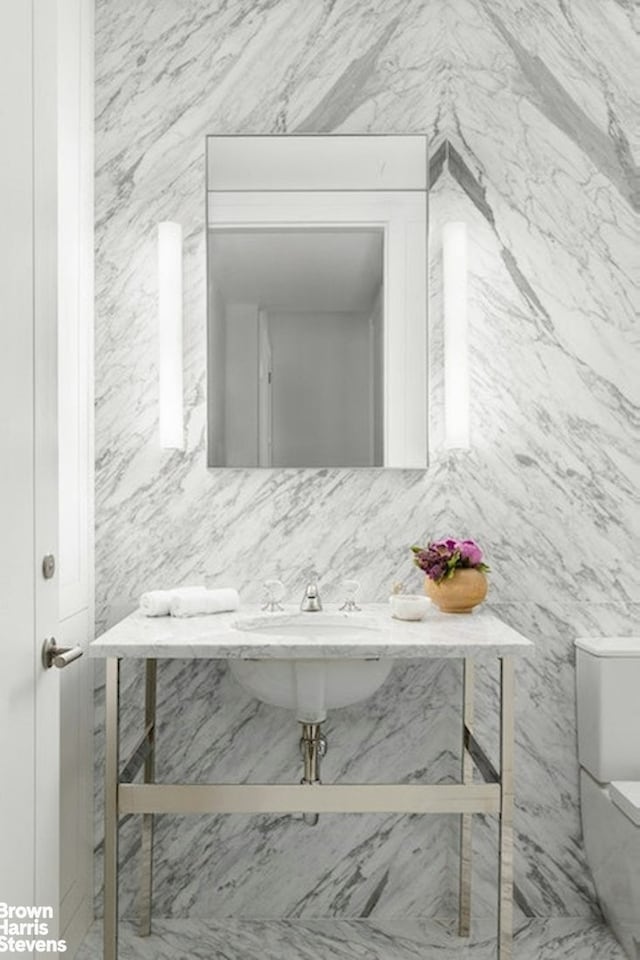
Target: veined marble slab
column 540, row 100
column 406, row 939
column 218, row 636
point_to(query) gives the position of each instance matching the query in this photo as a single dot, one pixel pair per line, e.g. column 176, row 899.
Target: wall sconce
column 170, row 415
column 456, row 336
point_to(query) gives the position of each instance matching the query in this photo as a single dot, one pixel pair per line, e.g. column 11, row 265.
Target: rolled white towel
column 201, row 602
column 157, row 603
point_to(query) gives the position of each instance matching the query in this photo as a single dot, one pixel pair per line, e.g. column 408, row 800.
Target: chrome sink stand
column 492, row 796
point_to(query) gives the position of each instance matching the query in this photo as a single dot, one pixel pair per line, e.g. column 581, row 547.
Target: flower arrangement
column 440, row 559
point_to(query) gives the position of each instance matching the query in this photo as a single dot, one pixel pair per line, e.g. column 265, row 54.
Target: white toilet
column 608, row 685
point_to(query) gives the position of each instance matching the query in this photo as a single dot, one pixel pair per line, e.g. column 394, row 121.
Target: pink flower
column 470, row 551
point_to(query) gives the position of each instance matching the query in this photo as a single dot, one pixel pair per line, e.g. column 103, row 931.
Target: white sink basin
column 310, row 686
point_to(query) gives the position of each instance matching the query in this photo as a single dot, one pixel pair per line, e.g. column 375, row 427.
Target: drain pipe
column 313, row 746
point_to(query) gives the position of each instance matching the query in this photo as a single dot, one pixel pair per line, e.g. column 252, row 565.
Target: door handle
column 55, row 656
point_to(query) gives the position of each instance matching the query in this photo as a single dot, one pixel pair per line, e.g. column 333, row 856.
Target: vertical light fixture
column 456, row 336
column 170, row 416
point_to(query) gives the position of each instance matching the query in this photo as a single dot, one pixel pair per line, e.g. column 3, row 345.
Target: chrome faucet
column 311, row 602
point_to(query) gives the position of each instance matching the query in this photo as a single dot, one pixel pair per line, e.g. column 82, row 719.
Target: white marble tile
column 557, row 289
column 540, row 101
column 344, row 940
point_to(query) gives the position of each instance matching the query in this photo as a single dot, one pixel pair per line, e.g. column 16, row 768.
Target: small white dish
column 408, row 606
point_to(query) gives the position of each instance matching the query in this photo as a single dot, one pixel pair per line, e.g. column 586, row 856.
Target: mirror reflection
column 303, row 308
column 317, row 313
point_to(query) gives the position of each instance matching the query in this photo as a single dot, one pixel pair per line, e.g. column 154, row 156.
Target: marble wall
column 530, row 111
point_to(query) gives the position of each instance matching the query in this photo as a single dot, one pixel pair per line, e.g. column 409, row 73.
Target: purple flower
column 437, row 571
column 440, row 558
column 447, row 544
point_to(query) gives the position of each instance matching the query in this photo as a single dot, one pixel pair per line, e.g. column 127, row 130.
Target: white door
column 29, row 695
column 31, row 722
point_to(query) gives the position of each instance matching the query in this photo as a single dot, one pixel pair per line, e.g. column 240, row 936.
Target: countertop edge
column 216, row 638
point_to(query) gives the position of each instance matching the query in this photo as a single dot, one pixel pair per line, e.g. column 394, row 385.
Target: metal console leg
column 464, row 898
column 112, row 709
column 505, row 881
column 146, row 844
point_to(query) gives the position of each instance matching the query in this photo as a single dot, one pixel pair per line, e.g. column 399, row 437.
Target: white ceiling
column 311, row 270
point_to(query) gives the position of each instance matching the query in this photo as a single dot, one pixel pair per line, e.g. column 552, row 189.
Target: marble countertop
column 217, row 638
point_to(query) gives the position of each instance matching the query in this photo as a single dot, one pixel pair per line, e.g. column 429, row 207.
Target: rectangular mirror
column 316, row 275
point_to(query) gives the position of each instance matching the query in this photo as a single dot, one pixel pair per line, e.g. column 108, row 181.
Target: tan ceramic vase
column 464, row 591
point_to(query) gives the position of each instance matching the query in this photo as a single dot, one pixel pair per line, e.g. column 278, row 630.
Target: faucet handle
column 351, row 589
column 311, row 602
column 274, row 594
